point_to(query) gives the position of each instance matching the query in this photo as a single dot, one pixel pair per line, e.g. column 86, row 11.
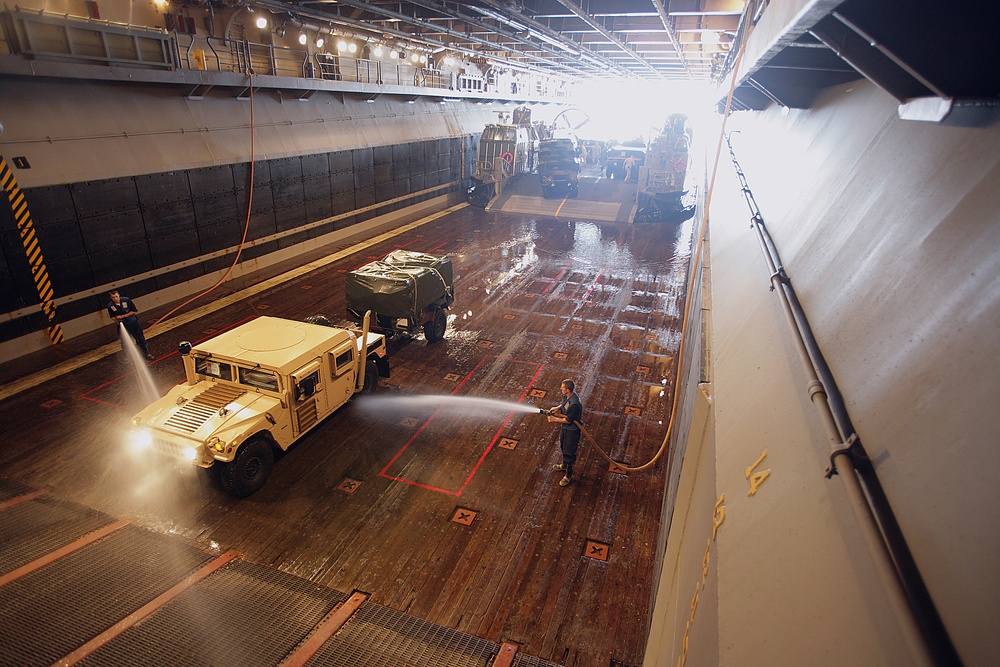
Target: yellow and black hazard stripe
column 32, row 249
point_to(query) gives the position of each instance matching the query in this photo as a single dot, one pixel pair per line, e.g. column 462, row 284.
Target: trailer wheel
column 371, row 377
column 435, row 327
column 248, row 471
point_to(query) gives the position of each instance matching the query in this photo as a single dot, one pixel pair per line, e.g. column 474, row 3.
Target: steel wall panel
column 286, row 169
column 59, row 240
column 173, row 248
column 286, row 193
column 293, row 239
column 316, row 187
column 8, row 294
column 70, row 274
column 318, row 209
column 443, row 161
column 106, row 232
column 220, row 235
column 170, row 218
column 417, row 182
column 401, row 152
column 402, row 169
column 216, row 208
column 51, row 204
column 364, row 197
column 343, row 202
column 343, row 181
column 211, row 180
column 101, row 197
column 362, row 158
column 290, row 217
column 263, row 200
column 261, row 174
column 120, row 262
column 384, row 191
column 383, row 155
column 315, row 165
column 167, row 186
column 383, row 174
column 261, row 225
column 364, row 178
column 341, row 161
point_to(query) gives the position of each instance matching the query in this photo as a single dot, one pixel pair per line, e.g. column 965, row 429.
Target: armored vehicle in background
column 506, row 151
column 617, row 159
column 254, row 390
column 405, row 292
column 661, row 196
column 559, row 167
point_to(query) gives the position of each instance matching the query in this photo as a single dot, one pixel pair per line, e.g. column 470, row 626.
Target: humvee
column 257, row 389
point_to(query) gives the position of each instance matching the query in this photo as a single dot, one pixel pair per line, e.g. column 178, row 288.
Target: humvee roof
column 281, row 345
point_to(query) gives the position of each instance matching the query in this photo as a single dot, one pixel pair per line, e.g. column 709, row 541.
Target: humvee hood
column 200, row 411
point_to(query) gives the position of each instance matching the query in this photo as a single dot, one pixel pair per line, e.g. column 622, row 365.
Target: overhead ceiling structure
column 938, row 62
column 645, row 39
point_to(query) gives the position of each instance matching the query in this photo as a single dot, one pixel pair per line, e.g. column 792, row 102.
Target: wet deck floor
column 369, row 500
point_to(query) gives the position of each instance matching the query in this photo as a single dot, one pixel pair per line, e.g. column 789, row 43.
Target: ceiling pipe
column 672, row 36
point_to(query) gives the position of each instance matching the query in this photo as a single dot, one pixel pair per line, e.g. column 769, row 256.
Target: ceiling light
column 423, row 59
column 320, row 42
column 415, row 58
column 378, row 51
column 303, row 39
column 393, row 55
column 261, row 22
column 341, row 45
column 352, row 47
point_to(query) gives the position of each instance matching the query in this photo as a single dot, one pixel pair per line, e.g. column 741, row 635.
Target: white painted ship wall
column 890, row 233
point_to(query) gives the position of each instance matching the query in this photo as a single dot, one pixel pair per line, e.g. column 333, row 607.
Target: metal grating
column 48, row 613
column 243, row 615
column 11, row 489
column 31, row 529
column 381, row 636
column 202, row 407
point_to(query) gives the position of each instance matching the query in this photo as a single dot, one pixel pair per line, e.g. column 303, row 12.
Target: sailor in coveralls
column 122, row 309
column 567, row 413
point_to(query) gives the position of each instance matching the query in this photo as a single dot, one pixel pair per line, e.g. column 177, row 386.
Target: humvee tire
column 250, row 468
column 435, row 327
column 371, row 377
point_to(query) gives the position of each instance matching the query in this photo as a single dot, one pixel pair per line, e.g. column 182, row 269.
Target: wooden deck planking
column 517, row 572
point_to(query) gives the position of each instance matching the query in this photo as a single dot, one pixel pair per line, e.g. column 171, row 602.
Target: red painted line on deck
column 144, row 611
column 325, row 629
column 496, row 437
column 53, row 556
column 558, row 276
column 596, row 280
column 17, row 500
column 438, row 247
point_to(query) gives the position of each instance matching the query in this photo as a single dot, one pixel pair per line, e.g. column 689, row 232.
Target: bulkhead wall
column 141, row 188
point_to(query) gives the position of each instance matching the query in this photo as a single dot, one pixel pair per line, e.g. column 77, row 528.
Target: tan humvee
column 255, row 389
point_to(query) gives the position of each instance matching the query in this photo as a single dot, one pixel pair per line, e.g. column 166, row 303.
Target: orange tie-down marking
column 596, row 550
column 464, row 516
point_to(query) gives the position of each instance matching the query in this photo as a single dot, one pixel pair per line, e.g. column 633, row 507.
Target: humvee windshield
column 213, row 369
column 258, row 378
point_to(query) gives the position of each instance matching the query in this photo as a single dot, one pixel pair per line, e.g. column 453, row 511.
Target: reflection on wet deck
column 537, row 300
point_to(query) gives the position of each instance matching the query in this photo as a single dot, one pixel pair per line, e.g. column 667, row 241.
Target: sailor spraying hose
column 569, row 413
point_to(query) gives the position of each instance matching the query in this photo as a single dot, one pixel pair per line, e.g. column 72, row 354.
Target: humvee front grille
column 168, row 448
column 202, row 407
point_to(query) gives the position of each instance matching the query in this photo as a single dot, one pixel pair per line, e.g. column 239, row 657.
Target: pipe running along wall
column 851, row 464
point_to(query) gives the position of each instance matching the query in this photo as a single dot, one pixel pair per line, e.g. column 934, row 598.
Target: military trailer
column 254, row 390
column 405, row 292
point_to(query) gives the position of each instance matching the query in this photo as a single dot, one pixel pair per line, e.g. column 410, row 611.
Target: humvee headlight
column 140, row 440
column 190, row 453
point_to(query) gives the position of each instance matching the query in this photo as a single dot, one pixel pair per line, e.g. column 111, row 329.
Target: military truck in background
column 559, row 167
column 255, row 390
column 406, row 292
